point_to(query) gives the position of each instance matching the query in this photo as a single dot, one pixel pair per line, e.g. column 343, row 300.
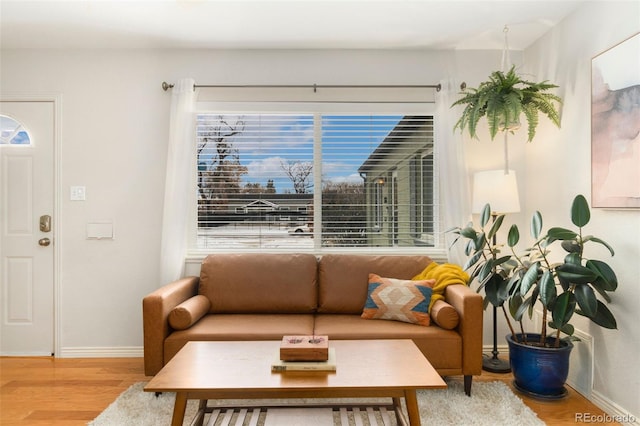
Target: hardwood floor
column 562, row 412
column 57, row 391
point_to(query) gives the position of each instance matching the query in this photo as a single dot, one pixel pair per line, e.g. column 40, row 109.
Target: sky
column 268, row 140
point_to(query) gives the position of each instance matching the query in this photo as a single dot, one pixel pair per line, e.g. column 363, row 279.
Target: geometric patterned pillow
column 398, row 300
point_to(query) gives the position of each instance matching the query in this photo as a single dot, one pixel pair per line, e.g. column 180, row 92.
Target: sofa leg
column 467, row 384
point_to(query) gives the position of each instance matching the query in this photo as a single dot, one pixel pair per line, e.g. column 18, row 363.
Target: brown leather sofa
column 267, row 296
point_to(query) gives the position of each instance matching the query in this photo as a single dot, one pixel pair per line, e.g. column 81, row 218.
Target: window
column 344, row 181
column 12, row 132
column 250, row 168
column 391, row 175
column 423, row 199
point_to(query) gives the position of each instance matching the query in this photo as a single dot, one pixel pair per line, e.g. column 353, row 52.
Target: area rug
column 491, row 403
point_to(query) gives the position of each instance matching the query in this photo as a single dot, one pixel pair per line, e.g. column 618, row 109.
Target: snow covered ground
column 239, row 236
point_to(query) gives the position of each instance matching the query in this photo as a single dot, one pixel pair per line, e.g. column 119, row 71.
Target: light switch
column 78, row 193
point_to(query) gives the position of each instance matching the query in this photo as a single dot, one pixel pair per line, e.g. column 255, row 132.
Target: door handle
column 44, row 242
column 45, row 223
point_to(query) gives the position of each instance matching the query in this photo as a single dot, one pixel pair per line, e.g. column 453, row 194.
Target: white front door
column 26, row 233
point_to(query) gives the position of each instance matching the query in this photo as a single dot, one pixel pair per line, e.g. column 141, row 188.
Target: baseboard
column 503, row 350
column 102, row 352
column 615, row 413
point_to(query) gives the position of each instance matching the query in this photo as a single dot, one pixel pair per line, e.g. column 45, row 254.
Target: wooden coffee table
column 242, row 370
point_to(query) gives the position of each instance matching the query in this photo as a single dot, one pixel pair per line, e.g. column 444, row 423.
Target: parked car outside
column 300, row 230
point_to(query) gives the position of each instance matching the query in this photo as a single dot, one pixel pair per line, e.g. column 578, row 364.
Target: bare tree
column 255, row 187
column 219, row 168
column 300, row 174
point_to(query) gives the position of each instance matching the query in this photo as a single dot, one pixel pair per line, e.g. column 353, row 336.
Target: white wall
column 114, row 139
column 558, row 167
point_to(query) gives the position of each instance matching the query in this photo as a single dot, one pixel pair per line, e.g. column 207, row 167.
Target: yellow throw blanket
column 445, row 274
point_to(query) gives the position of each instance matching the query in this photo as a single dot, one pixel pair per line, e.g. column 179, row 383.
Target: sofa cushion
column 398, row 300
column 444, row 315
column 188, row 312
column 260, row 283
column 343, row 278
column 221, row 327
column 443, row 348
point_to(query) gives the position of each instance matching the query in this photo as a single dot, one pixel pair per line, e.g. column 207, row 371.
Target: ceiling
column 292, row 24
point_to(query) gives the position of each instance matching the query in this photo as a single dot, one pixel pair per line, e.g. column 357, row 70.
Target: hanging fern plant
column 502, row 99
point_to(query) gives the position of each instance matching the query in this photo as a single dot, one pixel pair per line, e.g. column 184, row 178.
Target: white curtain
column 180, row 170
column 454, row 176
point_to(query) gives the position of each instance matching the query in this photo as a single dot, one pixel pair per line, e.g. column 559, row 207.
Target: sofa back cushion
column 260, row 283
column 343, row 279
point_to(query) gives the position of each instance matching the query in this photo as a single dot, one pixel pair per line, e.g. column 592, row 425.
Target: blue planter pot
column 538, row 371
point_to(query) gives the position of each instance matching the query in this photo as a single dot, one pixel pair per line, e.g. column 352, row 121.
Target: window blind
column 255, row 180
column 259, row 177
column 379, row 205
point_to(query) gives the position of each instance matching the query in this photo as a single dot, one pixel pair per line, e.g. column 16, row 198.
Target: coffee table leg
column 179, row 408
column 412, row 407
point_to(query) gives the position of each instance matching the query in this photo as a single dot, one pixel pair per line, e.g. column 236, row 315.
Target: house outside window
column 377, row 190
column 422, row 190
column 348, row 181
column 401, row 176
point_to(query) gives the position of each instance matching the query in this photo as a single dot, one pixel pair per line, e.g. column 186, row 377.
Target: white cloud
column 352, row 178
column 266, row 168
column 266, row 133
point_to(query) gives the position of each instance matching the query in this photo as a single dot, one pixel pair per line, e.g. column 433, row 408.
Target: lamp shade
column 499, row 188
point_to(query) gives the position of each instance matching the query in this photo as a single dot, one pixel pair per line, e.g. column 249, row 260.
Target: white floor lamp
column 499, row 188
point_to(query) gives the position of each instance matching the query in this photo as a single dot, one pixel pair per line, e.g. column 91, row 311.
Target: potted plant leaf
column 503, row 99
column 575, row 285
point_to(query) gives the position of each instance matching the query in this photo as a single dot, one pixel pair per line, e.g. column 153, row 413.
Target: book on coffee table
column 328, row 365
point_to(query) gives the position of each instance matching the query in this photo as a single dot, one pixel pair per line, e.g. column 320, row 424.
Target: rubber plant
column 563, row 288
column 503, row 99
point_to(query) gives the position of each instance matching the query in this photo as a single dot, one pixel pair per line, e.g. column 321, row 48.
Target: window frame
column 318, row 110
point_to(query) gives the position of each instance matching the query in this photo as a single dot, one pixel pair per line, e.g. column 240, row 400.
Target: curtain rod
column 166, row 86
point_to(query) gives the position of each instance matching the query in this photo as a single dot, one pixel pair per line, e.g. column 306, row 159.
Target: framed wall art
column 615, row 126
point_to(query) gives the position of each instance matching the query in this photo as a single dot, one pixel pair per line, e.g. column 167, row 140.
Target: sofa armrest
column 156, row 307
column 469, row 305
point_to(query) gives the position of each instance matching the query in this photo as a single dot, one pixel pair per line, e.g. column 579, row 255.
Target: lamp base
column 495, row 365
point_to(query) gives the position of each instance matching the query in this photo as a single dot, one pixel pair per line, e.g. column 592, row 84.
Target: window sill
column 438, row 255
